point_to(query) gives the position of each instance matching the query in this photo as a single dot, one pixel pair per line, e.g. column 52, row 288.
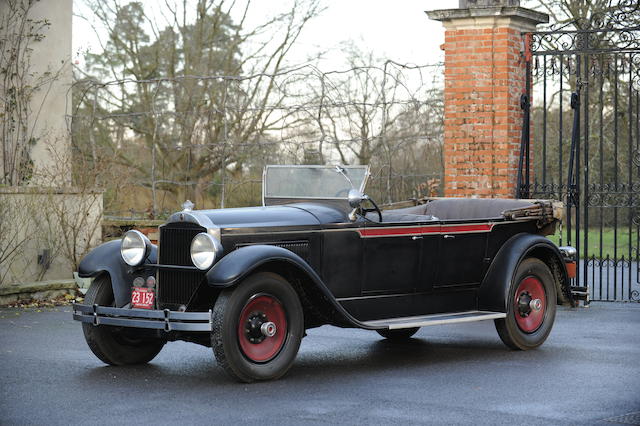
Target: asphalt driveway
column 587, row 371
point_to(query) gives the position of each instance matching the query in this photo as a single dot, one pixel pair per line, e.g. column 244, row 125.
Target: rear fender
column 238, row 264
column 106, row 258
column 494, row 290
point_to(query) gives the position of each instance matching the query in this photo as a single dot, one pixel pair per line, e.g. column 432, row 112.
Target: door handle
column 416, row 237
column 449, row 237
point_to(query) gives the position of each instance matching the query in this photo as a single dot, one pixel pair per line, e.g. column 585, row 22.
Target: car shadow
column 322, row 364
column 385, row 356
column 178, row 374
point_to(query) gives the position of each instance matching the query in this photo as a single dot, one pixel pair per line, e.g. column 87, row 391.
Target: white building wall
column 53, row 102
column 48, row 225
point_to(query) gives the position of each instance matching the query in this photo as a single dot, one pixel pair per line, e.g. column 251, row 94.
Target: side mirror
column 355, row 198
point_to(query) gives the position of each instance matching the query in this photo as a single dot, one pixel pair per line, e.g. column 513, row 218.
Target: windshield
column 312, row 182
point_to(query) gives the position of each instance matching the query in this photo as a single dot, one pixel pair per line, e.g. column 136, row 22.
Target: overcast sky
column 398, row 30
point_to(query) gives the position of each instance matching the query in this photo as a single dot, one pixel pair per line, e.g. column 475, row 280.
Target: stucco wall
column 53, row 53
column 48, row 220
column 65, row 222
column 47, row 67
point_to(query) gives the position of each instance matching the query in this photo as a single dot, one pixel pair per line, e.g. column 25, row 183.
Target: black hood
column 297, row 214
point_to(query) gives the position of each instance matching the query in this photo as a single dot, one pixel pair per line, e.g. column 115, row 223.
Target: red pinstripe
column 419, row 230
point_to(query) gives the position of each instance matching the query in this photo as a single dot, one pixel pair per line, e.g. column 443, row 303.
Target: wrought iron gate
column 583, row 144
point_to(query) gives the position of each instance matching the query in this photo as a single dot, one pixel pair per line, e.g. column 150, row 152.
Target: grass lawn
column 608, row 242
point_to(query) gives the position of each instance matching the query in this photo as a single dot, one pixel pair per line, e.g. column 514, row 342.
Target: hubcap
column 268, row 329
column 262, row 328
column 535, row 304
column 530, row 304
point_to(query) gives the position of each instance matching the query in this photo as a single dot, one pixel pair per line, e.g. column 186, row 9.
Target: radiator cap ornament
column 187, row 206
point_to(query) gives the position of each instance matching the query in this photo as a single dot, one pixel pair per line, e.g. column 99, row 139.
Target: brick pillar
column 484, row 79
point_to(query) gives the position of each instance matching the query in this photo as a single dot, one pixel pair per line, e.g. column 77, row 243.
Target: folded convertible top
column 545, row 211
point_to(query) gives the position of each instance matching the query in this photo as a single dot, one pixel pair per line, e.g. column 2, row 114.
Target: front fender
column 494, row 290
column 236, row 265
column 106, row 259
column 240, row 263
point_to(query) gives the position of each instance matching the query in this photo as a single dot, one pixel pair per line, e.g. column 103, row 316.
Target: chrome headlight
column 204, row 250
column 135, row 248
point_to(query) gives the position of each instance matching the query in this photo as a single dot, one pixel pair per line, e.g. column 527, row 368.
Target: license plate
column 142, row 298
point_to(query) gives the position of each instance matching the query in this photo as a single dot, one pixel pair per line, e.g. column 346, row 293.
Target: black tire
column 398, row 335
column 117, row 345
column 513, row 330
column 226, row 336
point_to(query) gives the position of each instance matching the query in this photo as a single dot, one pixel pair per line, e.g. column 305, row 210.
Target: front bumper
column 143, row 318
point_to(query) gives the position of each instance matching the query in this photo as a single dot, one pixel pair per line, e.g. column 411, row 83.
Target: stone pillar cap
column 529, row 16
column 464, row 4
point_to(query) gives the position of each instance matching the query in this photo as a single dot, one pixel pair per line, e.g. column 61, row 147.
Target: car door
column 461, row 253
column 391, row 257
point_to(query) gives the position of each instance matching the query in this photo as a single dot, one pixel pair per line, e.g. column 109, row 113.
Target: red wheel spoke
column 257, row 345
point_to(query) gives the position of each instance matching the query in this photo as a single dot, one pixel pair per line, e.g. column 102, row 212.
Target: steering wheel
column 374, row 209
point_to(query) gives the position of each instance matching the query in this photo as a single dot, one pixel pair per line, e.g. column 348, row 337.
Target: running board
column 435, row 319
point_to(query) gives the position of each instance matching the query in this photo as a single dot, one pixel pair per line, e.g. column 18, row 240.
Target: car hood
column 296, row 214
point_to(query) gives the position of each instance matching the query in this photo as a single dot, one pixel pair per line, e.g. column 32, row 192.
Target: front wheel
column 117, row 345
column 257, row 328
column 531, row 306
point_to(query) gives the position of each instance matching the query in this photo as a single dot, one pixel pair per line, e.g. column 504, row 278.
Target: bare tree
column 198, row 116
column 379, row 113
column 14, row 219
column 591, row 14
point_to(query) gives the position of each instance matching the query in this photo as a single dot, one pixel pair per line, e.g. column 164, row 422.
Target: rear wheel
column 117, row 345
column 398, row 335
column 257, row 328
column 531, row 306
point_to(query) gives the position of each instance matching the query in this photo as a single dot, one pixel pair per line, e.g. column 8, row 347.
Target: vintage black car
column 249, row 281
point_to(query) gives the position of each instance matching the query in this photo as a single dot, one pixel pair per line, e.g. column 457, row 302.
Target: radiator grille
column 175, row 287
column 175, row 243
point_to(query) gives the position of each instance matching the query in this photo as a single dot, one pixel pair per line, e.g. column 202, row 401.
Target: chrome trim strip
column 307, row 198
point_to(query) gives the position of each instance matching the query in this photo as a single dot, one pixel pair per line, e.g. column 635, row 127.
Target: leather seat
column 454, row 209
